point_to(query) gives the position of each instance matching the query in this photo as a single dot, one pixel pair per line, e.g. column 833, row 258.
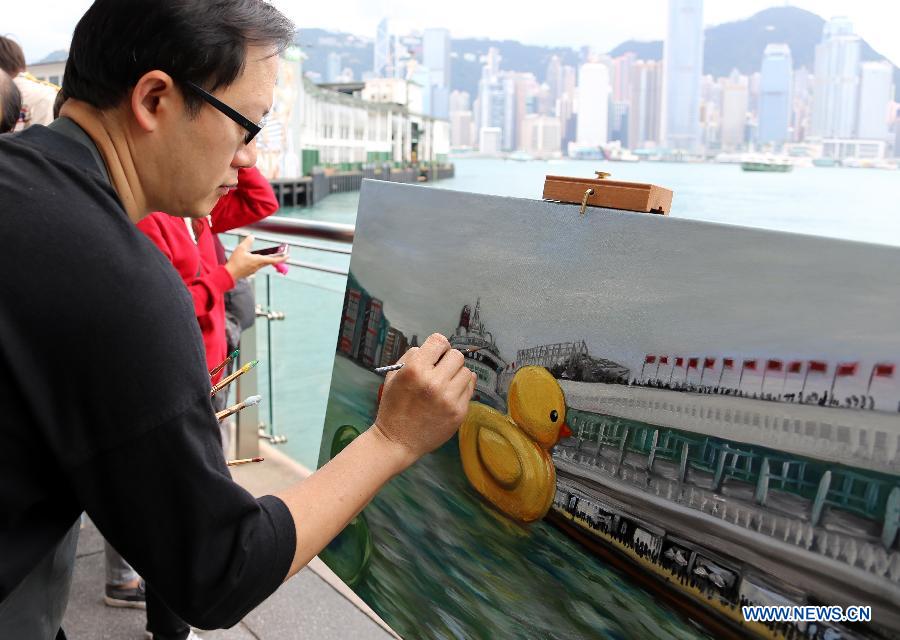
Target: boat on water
column 486, row 362
column 826, row 162
column 520, row 156
column 770, row 164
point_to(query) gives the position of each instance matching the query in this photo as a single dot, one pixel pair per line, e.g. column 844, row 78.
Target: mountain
column 465, row 67
column 732, row 45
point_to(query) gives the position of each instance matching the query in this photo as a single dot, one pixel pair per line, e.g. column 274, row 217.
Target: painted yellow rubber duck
column 506, row 457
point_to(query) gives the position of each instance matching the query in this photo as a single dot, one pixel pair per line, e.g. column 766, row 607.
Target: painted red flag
column 750, row 364
column 847, row 369
column 818, row 366
column 664, row 359
column 728, row 363
column 650, row 359
column 884, row 370
column 693, row 363
column 795, row 366
column 679, row 361
column 774, row 365
column 709, row 363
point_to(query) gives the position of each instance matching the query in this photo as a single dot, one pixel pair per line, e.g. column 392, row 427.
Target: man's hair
column 199, row 41
column 12, row 60
column 10, row 103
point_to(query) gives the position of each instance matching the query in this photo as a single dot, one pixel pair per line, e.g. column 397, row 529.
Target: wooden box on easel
column 612, row 194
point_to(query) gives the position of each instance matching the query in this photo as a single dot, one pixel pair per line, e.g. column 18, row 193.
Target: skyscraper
column 646, row 104
column 436, row 55
column 491, row 101
column 836, row 88
column 801, row 93
column 554, row 78
column 460, row 101
column 593, row 105
column 383, row 57
column 775, row 94
column 682, row 68
column 621, row 77
column 875, row 94
column 735, row 100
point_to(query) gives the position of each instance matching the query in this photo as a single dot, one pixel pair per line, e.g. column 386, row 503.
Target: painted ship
column 716, row 505
column 486, row 362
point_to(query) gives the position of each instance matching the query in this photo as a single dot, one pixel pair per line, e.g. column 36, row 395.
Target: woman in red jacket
column 191, row 248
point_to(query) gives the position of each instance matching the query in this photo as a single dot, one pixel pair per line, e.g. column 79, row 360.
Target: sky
column 42, row 26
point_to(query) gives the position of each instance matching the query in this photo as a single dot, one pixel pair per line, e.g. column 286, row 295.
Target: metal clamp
column 269, row 315
column 587, row 194
column 271, row 438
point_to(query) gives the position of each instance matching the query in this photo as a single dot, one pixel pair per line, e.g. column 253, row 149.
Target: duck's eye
column 553, row 416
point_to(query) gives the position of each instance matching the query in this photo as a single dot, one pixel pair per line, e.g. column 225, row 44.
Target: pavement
column 314, row 604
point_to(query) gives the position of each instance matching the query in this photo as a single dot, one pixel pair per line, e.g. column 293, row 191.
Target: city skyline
column 645, row 20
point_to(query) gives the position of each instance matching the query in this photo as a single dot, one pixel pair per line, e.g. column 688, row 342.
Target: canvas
column 672, row 419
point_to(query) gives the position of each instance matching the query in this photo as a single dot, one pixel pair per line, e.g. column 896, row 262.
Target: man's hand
column 425, row 402
column 422, row 406
column 242, row 263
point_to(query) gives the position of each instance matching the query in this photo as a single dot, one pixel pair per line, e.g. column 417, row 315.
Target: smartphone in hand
column 277, row 250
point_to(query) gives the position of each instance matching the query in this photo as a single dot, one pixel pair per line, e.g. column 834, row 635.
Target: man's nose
column 245, row 156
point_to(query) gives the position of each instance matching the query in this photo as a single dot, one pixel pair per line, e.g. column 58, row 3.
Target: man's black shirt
column 104, row 398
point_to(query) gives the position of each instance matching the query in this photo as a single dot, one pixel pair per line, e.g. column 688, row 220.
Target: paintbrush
column 235, row 463
column 399, row 365
column 227, row 361
column 234, row 376
column 249, row 402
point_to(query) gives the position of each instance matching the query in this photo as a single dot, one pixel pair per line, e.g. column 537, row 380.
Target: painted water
column 547, row 585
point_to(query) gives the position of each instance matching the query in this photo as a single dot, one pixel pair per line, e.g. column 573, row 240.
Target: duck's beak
column 564, row 431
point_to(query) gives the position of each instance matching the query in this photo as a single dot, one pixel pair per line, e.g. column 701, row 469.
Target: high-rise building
column 541, row 135
column 645, row 104
column 776, row 78
column 621, row 77
column 593, row 105
column 489, row 140
column 436, row 55
column 520, row 92
column 836, row 91
column 682, row 69
column 460, row 101
column 801, row 91
column 492, row 108
column 462, row 129
column 333, row 70
column 876, row 92
column 570, row 80
column 735, row 101
column 554, row 77
column 619, row 115
column 436, row 58
column 383, row 56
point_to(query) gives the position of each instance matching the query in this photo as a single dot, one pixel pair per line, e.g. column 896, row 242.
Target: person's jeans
column 36, row 607
column 118, row 571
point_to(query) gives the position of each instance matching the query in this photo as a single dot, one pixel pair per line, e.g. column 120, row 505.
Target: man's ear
column 153, row 96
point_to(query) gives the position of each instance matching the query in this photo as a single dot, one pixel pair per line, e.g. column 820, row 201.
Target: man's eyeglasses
column 251, row 127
